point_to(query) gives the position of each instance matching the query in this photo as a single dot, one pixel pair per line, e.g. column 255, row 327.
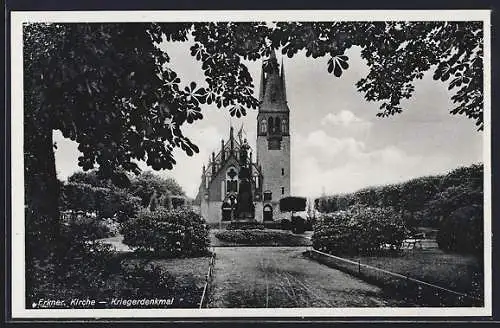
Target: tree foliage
column 106, row 202
column 112, row 89
column 147, row 184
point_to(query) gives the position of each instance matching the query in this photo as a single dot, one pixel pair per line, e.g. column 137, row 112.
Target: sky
column 338, row 144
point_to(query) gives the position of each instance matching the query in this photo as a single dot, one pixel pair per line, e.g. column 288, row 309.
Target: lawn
column 189, row 275
column 256, row 237
column 460, row 273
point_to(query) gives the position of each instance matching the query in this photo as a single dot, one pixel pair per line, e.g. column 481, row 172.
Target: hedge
column 243, row 225
column 360, row 230
column 167, row 233
column 261, row 238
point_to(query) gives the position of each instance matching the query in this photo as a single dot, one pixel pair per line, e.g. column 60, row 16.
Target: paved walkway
column 283, row 277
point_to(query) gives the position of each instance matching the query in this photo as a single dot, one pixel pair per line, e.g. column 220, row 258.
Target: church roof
column 228, row 150
column 272, row 86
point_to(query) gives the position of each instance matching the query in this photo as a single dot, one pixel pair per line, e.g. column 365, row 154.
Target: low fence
column 208, row 282
column 411, row 289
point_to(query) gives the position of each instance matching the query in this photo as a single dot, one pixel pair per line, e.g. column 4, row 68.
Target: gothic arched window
column 231, row 180
column 263, row 126
column 283, row 126
column 270, row 123
column 277, row 125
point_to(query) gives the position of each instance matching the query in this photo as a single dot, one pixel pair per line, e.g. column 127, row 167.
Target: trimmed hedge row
column 261, row 237
column 235, row 225
column 167, row 233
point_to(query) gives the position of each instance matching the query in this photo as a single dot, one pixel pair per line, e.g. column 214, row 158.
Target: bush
column 298, row 224
column 285, row 224
column 236, row 225
column 105, row 275
column 261, row 237
column 360, row 230
column 82, row 226
column 167, row 233
column 281, row 224
column 462, row 231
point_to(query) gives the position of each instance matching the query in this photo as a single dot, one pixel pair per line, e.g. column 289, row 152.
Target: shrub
column 167, row 233
column 281, row 224
column 360, row 230
column 106, row 275
column 462, row 231
column 285, row 224
column 83, row 226
column 236, row 225
column 261, row 237
column 298, row 224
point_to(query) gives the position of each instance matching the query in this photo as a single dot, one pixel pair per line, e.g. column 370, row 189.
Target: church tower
column 273, row 138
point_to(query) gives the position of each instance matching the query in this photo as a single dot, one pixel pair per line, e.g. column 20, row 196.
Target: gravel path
column 276, row 277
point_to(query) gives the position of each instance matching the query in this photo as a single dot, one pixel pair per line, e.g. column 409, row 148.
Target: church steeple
column 262, row 85
column 273, row 135
column 283, row 79
column 272, row 86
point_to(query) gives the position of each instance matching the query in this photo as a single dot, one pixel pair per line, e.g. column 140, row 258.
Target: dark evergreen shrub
column 285, row 224
column 298, row 224
column 462, row 230
column 167, row 233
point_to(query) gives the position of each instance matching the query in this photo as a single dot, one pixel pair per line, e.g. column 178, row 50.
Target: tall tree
column 110, row 88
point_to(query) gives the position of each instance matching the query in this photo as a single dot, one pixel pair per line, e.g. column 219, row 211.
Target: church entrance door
column 268, row 213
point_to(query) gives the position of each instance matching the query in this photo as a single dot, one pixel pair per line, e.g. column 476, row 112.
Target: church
column 270, row 171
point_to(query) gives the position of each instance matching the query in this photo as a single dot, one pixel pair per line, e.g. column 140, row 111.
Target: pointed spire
column 231, row 138
column 262, row 84
column 222, row 152
column 273, row 97
column 214, row 168
column 283, row 79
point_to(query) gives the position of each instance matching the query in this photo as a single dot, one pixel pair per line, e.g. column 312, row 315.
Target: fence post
column 359, row 266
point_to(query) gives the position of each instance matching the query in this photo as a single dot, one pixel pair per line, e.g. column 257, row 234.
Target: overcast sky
column 337, row 142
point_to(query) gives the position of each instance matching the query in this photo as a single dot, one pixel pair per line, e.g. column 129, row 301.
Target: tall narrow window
column 263, row 126
column 283, row 126
column 270, row 123
column 282, row 171
column 277, row 126
column 282, row 190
